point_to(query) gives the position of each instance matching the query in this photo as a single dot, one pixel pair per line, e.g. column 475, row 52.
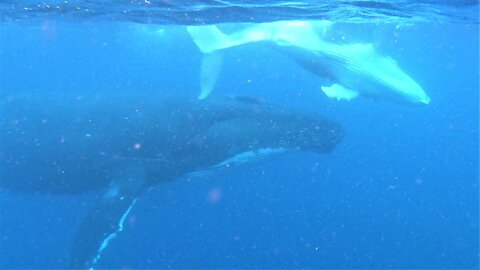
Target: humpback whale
column 352, row 69
column 124, row 144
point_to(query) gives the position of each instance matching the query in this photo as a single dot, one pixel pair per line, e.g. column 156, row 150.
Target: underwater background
column 400, row 191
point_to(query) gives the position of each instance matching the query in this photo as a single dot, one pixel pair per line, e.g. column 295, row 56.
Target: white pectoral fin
column 210, row 69
column 339, row 92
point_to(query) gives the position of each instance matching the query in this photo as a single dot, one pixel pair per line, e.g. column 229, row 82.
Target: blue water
column 400, row 191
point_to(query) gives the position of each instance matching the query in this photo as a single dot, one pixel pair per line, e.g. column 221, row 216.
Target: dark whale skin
column 66, row 143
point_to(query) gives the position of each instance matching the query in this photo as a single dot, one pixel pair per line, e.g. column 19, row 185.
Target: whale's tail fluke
column 209, row 71
column 211, row 41
column 208, row 38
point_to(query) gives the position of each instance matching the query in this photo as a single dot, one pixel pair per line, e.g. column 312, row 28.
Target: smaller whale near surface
column 353, row 69
column 68, row 144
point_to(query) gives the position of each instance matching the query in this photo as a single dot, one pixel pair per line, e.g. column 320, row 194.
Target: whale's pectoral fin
column 106, row 219
column 339, row 92
column 210, row 69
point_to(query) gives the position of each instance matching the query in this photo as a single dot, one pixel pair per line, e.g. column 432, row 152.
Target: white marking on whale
column 250, row 156
column 112, row 235
column 242, row 158
column 356, row 69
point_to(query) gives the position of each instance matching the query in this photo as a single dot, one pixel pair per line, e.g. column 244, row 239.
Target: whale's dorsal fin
column 106, row 219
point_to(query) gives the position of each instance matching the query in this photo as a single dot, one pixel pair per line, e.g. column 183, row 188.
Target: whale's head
column 415, row 94
column 361, row 68
column 307, row 132
column 258, row 129
column 400, row 85
column 407, row 88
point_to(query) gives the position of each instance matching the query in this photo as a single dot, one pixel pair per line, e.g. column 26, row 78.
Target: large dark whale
column 60, row 143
